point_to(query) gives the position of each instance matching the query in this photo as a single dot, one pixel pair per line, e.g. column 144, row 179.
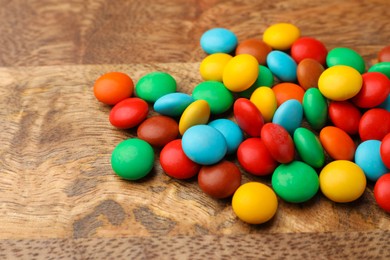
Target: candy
column 289, row 115
column 158, row 130
column 196, row 113
column 218, row 40
column 129, row 113
column 282, row 66
column 254, row 203
column 254, row 157
column 342, row 181
column 309, row 147
column 204, row 144
column 220, row 180
column 265, row 79
column 307, row 47
column 173, row 104
column 345, row 116
column 308, row 73
column 113, row 87
column 315, row 108
column 240, row 72
column 382, row 67
column 154, row 85
column 386, row 104
column 345, row 56
column 281, row 36
column 175, row 163
column 255, row 47
column 385, row 150
column 337, row 143
column 211, row 67
column 340, row 82
column 382, row 192
column 384, row 54
column 265, row 101
column 231, row 131
column 217, row 96
column 295, row 182
column 374, row 124
column 368, row 157
column 278, row 142
column 248, row 117
column 132, row 159
column 286, row 91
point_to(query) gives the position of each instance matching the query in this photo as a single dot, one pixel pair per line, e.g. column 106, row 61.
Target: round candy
column 345, row 116
column 308, row 73
column 196, row 113
column 286, row 91
column 307, row 47
column 374, row 124
column 265, row 79
column 218, row 40
column 175, row 163
column 342, row 181
column 211, row 67
column 385, row 150
column 282, row 66
column 214, row 92
column 375, row 90
column 248, row 117
column 295, row 182
column 265, row 101
column 278, row 142
column 340, row 82
column 368, row 157
column 132, row 159
column 173, row 104
column 231, row 131
column 158, row 130
column 382, row 67
column 384, row 54
column 309, row 147
column 254, row 157
column 281, row 36
column 382, row 192
column 345, row 56
column 240, row 72
column 204, row 144
column 220, row 180
column 154, row 85
column 255, row 47
column 113, row 87
column 129, row 113
column 289, row 115
column 337, row 143
column 315, row 108
column 254, row 203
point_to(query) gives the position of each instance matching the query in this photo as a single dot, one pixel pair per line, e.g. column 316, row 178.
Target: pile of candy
column 292, row 102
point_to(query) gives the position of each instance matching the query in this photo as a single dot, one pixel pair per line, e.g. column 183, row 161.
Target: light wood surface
column 58, row 195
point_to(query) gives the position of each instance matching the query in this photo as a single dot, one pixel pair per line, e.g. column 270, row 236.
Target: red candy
column 384, row 54
column 345, row 116
column 278, row 142
column 374, row 91
column 254, row 157
column 307, row 47
column 374, row 124
column 248, row 117
column 129, row 113
column 382, row 192
column 175, row 163
column 385, row 150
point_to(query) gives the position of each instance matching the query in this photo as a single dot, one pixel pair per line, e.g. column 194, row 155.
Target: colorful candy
column 196, row 113
column 255, row 47
column 374, row 124
column 265, row 101
column 282, row 66
column 337, row 143
column 173, row 104
column 154, row 85
column 219, row 98
column 347, row 57
column 278, row 142
column 385, row 150
column 345, row 116
column 231, row 131
column 281, row 36
column 129, row 113
column 113, row 87
column 240, row 72
column 309, row 147
column 382, row 67
column 218, row 40
column 384, row 54
column 289, row 115
column 382, row 192
column 315, row 108
column 158, row 130
column 248, row 117
column 211, row 67
column 368, row 157
column 286, row 91
column 309, row 48
column 308, row 73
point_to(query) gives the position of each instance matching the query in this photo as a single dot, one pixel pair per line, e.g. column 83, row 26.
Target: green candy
column 309, row 147
column 295, row 182
column 132, row 159
column 382, row 67
column 346, row 56
column 265, row 79
column 315, row 108
column 219, row 98
column 154, row 85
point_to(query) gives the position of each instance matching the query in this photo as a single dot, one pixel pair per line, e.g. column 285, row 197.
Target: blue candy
column 231, row 131
column 282, row 66
column 173, row 104
column 368, row 157
column 289, row 115
column 218, row 40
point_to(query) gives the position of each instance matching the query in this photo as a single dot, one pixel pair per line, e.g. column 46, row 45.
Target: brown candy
column 158, row 130
column 256, row 48
column 308, row 72
column 384, row 54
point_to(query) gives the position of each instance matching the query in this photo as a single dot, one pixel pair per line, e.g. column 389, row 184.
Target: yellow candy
column 197, row 113
column 240, row 72
column 211, row 67
column 340, row 82
column 342, row 181
column 254, row 203
column 281, row 36
column 265, row 100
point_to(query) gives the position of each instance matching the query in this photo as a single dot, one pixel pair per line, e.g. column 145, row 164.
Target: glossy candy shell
column 173, row 104
column 309, row 147
column 158, row 130
column 278, row 142
column 248, row 117
column 154, row 85
column 129, row 113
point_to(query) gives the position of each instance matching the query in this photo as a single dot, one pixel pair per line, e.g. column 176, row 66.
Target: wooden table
column 59, row 197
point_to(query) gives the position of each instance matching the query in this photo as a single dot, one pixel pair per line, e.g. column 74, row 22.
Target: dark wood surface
column 58, row 194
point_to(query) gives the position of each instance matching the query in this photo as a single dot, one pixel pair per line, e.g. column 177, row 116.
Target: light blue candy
column 386, row 104
column 282, row 66
column 173, row 104
column 289, row 115
column 368, row 157
column 231, row 131
column 218, row 40
column 204, row 144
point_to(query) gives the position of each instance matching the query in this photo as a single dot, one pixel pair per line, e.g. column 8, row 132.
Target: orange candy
column 337, row 143
column 113, row 87
column 285, row 91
